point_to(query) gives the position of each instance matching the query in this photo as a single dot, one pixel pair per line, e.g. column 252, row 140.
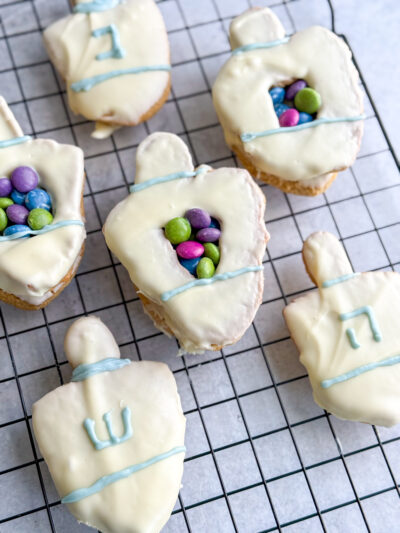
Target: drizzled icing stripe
column 390, row 361
column 103, row 482
column 351, row 335
column 89, row 424
column 259, row 46
column 208, row 281
column 116, row 52
column 46, row 229
column 82, row 372
column 96, row 6
column 15, row 141
column 247, row 137
column 88, row 83
column 331, row 282
column 365, row 310
column 165, row 179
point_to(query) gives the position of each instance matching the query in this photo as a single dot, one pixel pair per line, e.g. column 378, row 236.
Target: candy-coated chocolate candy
column 198, row 218
column 18, row 197
column 39, row 218
column 277, row 94
column 212, row 251
column 280, row 108
column 215, row 223
column 5, row 187
column 3, row 219
column 178, row 230
column 190, row 249
column 24, row 179
column 5, row 202
column 305, row 117
column 208, row 234
column 307, row 100
column 205, row 268
column 38, row 198
column 190, row 264
column 293, row 89
column 17, row 214
column 290, row 117
column 17, row 228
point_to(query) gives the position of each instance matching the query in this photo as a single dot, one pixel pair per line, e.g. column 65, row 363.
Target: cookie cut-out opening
column 295, row 102
column 195, row 239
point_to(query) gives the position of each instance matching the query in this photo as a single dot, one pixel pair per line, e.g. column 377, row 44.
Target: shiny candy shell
column 38, row 198
column 5, row 202
column 289, row 118
column 190, row 264
column 17, row 228
column 307, row 100
column 208, row 234
column 3, row 219
column 294, row 88
column 18, row 197
column 205, row 268
column 5, row 187
column 198, row 218
column 178, row 230
column 17, row 214
column 277, row 94
column 190, row 249
column 24, row 179
column 305, row 117
column 39, row 218
column 280, row 108
column 211, row 250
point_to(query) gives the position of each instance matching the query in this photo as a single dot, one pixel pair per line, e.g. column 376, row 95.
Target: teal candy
column 205, row 268
column 190, row 264
column 16, row 228
column 3, row 219
column 277, row 95
column 211, row 250
column 5, row 202
column 307, row 100
column 18, row 197
column 38, row 198
column 178, row 230
column 39, row 218
column 305, row 117
column 280, row 108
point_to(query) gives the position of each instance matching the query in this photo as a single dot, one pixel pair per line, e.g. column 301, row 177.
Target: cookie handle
column 325, row 258
column 256, row 25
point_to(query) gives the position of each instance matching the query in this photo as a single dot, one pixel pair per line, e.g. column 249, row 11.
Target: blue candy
column 16, row 228
column 280, row 108
column 38, row 198
column 214, row 223
column 17, row 197
column 190, row 264
column 305, row 117
column 277, row 94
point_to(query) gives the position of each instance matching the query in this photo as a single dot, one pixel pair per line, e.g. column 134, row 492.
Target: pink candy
column 190, row 249
column 290, row 117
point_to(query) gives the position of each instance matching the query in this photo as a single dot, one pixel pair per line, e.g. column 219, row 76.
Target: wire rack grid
column 261, row 455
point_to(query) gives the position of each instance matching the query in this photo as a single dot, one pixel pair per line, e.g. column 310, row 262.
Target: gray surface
column 250, row 413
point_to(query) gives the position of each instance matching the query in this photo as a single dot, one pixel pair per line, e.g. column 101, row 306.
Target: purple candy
column 24, row 179
column 17, row 214
column 190, row 249
column 198, row 218
column 5, row 187
column 290, row 117
column 293, row 89
column 208, row 234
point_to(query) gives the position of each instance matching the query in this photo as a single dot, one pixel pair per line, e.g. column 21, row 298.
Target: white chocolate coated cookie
column 347, row 334
column 244, row 106
column 203, row 317
column 113, row 438
column 33, row 270
column 112, row 37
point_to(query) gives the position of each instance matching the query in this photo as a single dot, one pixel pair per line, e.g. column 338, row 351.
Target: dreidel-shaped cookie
column 347, row 334
column 113, row 438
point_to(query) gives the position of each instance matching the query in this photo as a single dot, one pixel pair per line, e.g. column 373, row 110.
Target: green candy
column 3, row 219
column 178, row 230
column 307, row 100
column 205, row 268
column 5, row 202
column 38, row 218
column 212, row 251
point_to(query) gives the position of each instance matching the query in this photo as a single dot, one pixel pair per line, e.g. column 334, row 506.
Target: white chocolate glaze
column 202, row 317
column 243, row 104
column 319, row 322
column 32, row 268
column 123, row 100
column 143, row 501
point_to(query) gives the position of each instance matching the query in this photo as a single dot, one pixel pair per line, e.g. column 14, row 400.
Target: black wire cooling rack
column 261, row 455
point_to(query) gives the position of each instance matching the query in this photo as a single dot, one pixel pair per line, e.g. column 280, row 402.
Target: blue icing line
column 258, row 46
column 116, row 52
column 351, row 334
column 164, row 179
column 103, row 482
column 46, row 229
column 82, row 372
column 89, row 425
column 331, row 282
column 326, row 383
column 365, row 310
column 88, row 83
column 207, row 281
column 15, row 141
column 247, row 137
column 95, row 6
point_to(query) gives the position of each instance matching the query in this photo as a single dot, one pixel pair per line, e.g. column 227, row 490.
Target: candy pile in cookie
column 196, row 237
column 23, row 206
column 295, row 104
